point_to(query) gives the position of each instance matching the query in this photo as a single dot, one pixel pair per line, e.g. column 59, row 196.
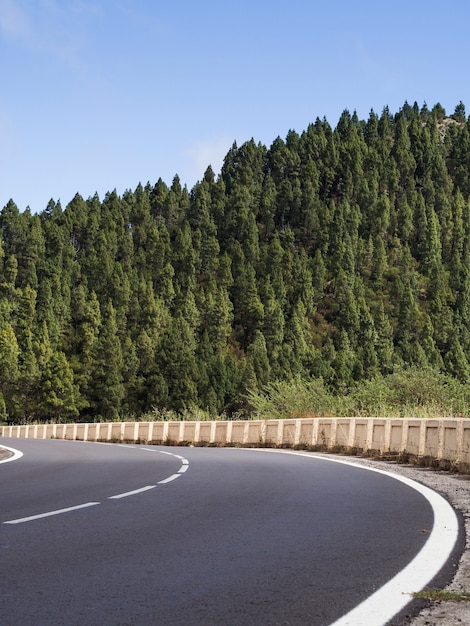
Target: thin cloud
column 15, row 23
column 60, row 30
column 207, row 152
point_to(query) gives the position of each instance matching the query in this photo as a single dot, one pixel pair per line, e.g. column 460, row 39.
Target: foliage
column 411, row 392
column 328, row 273
column 443, row 595
column 169, row 415
column 282, row 399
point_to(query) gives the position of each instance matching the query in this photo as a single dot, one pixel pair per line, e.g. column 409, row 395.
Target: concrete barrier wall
column 446, row 439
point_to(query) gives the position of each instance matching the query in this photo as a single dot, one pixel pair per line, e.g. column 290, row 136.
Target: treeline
column 336, row 254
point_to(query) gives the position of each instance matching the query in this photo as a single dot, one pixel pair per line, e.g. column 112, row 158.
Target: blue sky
column 97, row 95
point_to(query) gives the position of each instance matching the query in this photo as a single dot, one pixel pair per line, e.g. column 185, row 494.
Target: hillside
column 340, row 254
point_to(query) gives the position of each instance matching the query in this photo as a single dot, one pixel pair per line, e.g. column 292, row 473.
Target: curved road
column 108, row 534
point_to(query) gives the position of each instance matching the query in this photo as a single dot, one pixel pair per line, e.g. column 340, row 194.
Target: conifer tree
column 106, row 389
column 341, row 253
column 57, row 393
column 9, row 372
column 176, row 359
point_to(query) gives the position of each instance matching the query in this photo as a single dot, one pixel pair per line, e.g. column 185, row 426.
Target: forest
column 333, row 264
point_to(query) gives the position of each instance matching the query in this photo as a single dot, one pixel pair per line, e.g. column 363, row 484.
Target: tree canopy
column 340, row 254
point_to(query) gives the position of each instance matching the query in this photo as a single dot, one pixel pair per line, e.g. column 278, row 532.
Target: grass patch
column 442, row 595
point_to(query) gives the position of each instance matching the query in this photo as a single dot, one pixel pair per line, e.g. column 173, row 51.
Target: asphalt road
column 196, row 536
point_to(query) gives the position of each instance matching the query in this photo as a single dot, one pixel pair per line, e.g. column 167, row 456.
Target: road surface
column 109, row 534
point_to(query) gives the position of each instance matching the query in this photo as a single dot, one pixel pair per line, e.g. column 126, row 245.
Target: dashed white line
column 131, row 493
column 159, row 451
column 169, row 479
column 184, row 466
column 50, row 513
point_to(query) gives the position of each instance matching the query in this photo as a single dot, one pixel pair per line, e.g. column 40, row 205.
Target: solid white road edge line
column 379, row 608
column 131, row 493
column 17, row 454
column 50, row 513
column 390, row 599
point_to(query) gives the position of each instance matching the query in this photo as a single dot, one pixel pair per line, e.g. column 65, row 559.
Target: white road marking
column 50, row 513
column 184, row 466
column 169, row 479
column 379, row 608
column 159, row 451
column 131, row 493
column 17, row 454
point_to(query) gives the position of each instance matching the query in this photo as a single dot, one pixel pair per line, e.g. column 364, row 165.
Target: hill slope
column 338, row 253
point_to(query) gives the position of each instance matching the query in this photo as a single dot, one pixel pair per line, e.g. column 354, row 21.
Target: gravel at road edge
column 4, row 454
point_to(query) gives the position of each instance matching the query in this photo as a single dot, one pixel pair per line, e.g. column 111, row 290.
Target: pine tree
column 176, row 359
column 384, row 343
column 106, row 389
column 57, row 393
column 258, row 356
column 9, row 371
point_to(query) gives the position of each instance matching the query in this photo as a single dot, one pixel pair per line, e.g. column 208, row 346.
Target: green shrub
column 297, row 397
column 407, row 392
